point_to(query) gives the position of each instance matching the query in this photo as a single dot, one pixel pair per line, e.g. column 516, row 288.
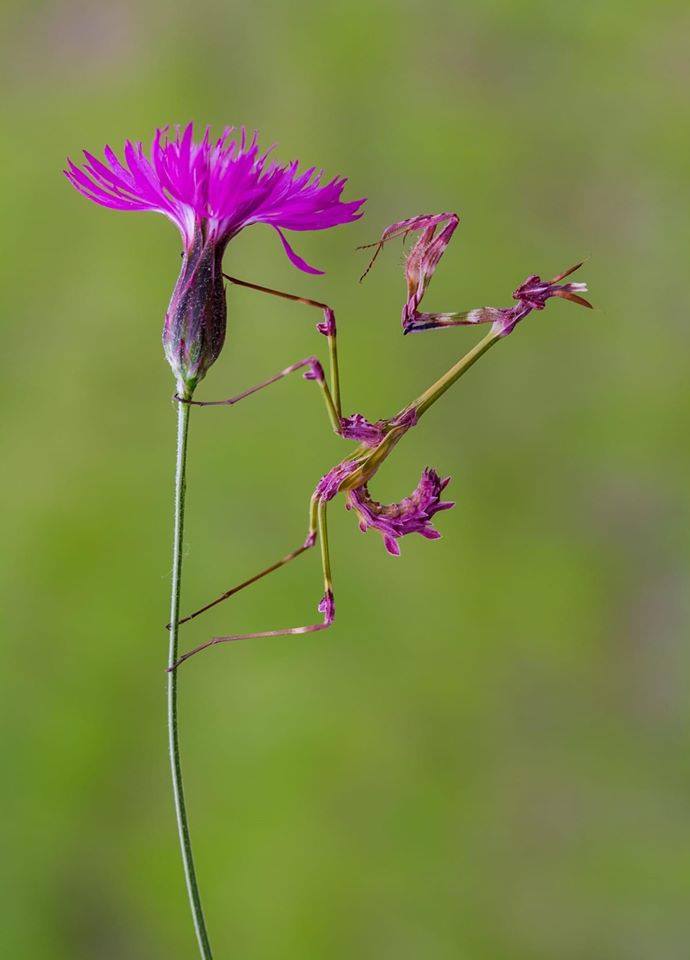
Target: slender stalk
column 183, row 410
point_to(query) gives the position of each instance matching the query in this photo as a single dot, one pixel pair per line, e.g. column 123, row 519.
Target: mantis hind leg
column 326, row 605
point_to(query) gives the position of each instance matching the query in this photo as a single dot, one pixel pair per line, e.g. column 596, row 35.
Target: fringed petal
column 224, row 186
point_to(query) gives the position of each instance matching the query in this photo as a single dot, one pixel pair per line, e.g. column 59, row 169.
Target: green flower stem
column 183, row 411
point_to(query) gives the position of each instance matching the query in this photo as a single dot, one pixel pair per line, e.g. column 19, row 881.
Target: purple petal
column 222, row 186
column 294, row 258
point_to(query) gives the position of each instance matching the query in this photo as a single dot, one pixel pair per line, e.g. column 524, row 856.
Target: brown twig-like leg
column 247, row 583
column 326, row 606
column 327, row 327
column 314, row 372
column 308, row 543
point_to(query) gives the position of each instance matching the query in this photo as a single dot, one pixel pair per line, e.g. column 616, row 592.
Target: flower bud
column 195, row 321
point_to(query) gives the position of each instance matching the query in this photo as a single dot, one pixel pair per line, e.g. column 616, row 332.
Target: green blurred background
column 487, row 757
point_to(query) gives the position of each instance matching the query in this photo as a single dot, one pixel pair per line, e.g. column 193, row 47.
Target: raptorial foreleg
column 436, row 231
column 422, row 260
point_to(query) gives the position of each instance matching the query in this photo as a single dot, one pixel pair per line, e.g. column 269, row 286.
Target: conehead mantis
column 375, row 441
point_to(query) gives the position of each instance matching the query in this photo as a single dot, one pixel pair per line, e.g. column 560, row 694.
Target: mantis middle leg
column 314, row 371
column 327, row 327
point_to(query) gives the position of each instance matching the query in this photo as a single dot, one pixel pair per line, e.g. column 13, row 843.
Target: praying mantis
column 376, row 441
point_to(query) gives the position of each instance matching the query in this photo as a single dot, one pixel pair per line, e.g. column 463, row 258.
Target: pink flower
column 216, row 188
column 211, row 191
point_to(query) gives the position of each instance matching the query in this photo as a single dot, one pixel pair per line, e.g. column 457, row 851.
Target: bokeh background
column 487, row 757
